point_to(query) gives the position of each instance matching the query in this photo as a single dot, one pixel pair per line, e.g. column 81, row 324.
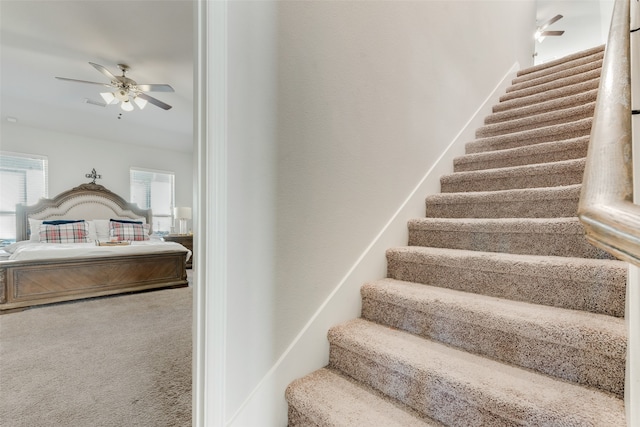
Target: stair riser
column 560, row 208
column 547, row 96
column 556, row 84
column 541, row 153
column 602, row 295
column 534, row 243
column 594, row 63
column 511, row 345
column 548, row 119
column 543, row 107
column 570, row 130
column 515, row 181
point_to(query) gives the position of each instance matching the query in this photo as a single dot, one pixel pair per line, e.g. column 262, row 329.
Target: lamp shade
column 182, row 213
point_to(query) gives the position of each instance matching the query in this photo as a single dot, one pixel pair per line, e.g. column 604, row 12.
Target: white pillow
column 93, row 236
column 34, row 227
column 101, row 229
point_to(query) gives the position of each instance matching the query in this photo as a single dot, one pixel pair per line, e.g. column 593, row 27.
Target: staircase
column 498, row 312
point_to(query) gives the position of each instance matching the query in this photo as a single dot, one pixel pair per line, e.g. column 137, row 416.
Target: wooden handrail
column 606, row 208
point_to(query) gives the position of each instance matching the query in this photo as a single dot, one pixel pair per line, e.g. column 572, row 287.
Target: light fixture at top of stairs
column 541, row 31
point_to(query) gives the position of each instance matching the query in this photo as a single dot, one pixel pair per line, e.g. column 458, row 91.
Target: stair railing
column 606, row 208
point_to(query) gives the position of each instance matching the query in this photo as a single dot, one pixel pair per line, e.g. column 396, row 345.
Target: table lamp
column 183, row 214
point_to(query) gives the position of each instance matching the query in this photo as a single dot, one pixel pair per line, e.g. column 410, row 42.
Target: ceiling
column 43, row 39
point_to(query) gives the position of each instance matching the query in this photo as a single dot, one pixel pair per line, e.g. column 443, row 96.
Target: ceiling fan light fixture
column 126, row 105
column 122, row 95
column 109, row 97
column 141, row 103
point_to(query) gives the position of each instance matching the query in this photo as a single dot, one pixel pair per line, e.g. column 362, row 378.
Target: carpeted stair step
column 569, row 61
column 555, row 174
column 559, row 132
column 593, row 285
column 529, row 122
column 543, row 107
column 571, row 90
column 462, row 389
column 549, row 202
column 553, row 85
column 525, row 236
column 327, row 398
column 594, row 62
column 572, row 345
column 546, row 152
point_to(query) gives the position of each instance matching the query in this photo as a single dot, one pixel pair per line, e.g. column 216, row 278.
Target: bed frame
column 28, row 283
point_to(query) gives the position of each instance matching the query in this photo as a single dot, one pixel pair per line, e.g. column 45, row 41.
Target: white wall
column 71, row 157
column 336, row 112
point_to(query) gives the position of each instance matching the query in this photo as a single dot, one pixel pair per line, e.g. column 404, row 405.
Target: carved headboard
column 87, row 201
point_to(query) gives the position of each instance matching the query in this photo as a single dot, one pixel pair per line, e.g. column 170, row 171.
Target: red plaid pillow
column 75, row 232
column 128, row 231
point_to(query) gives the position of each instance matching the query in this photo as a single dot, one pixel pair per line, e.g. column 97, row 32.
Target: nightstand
column 185, row 240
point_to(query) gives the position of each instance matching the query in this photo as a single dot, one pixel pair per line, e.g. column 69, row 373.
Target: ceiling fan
column 541, row 31
column 127, row 91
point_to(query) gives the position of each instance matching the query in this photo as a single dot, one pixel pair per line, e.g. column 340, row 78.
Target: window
column 154, row 190
column 23, row 180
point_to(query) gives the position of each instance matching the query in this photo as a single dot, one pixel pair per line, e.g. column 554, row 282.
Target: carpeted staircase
column 498, row 313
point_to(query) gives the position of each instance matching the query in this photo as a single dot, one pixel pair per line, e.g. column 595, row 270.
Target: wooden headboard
column 87, row 201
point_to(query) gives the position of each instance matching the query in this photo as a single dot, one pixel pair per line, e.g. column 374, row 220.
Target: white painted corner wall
column 336, row 116
column 70, row 157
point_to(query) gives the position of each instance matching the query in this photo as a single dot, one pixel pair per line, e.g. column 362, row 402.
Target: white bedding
column 28, row 250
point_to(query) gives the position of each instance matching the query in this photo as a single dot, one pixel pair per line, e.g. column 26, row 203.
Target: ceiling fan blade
column 104, row 71
column 552, row 33
column 155, row 88
column 550, row 21
column 85, row 81
column 154, row 101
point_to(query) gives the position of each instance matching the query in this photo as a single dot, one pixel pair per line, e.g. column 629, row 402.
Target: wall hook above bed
column 93, row 175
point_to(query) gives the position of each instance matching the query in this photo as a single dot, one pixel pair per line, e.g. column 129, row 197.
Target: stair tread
column 547, row 174
column 531, row 236
column 535, row 121
column 521, row 264
column 563, row 92
column 551, row 324
column 589, row 284
column 328, row 398
column 578, row 144
column 526, row 194
column 566, row 60
column 546, row 106
column 552, row 85
column 552, row 133
column 585, row 64
column 566, row 225
column 517, row 394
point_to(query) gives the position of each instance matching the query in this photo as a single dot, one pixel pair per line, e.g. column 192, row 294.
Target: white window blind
column 154, row 190
column 23, row 180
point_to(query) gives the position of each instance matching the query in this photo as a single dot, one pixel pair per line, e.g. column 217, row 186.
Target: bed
column 37, row 273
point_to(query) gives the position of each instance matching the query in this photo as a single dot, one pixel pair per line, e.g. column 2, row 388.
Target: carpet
column 115, row 361
column 498, row 312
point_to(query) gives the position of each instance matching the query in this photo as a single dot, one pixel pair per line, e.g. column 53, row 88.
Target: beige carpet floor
column 115, row 361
